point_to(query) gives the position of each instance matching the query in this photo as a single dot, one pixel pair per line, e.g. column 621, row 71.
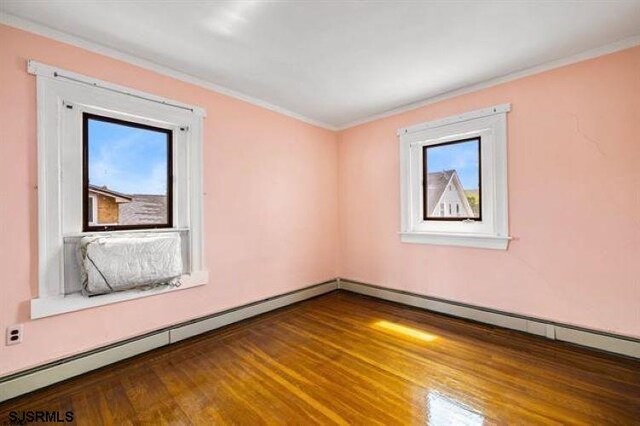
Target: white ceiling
column 338, row 62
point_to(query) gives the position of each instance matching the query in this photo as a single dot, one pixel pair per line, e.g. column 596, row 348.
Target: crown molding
column 546, row 66
column 45, row 31
column 30, row 26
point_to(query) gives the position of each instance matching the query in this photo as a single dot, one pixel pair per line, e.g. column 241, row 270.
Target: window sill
column 124, row 231
column 461, row 240
column 55, row 305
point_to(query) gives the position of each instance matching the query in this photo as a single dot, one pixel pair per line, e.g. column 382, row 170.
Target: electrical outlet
column 14, row 334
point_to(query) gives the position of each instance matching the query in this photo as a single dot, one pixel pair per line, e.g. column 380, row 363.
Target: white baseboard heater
column 29, row 380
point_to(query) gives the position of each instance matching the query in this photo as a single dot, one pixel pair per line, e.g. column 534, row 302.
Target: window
column 456, row 166
column 111, row 160
column 90, row 209
column 127, row 175
column 456, row 161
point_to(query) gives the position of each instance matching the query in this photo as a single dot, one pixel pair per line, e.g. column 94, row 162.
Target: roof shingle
column 144, row 209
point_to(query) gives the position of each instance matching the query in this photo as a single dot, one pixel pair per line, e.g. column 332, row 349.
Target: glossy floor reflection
column 348, row 359
column 446, row 411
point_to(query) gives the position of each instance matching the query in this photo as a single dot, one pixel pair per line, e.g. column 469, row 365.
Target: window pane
column 128, row 173
column 452, row 177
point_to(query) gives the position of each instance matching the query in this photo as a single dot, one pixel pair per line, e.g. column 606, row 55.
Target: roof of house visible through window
column 436, row 185
column 144, row 209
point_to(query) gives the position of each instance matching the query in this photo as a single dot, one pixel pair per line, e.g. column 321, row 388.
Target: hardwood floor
column 347, row 359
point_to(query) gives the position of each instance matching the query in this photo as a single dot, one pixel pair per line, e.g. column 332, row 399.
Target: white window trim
column 94, row 209
column 59, row 176
column 492, row 232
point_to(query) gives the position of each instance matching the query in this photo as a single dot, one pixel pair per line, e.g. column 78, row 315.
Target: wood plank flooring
column 348, row 359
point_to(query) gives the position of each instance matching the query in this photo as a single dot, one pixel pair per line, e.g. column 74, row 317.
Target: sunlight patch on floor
column 404, row 330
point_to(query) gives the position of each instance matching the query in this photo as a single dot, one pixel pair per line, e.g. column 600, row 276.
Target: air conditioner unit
column 122, row 262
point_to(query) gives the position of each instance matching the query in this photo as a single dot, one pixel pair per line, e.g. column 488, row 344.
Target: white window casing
column 62, row 97
column 490, row 125
column 94, row 210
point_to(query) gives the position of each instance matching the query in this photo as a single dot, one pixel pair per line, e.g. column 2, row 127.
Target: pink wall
column 285, row 201
column 574, row 182
column 270, row 206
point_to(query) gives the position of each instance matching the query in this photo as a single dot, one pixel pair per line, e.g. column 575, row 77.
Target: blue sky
column 463, row 157
column 127, row 159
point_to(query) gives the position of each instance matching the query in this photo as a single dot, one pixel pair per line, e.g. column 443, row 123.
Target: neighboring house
column 109, row 207
column 446, row 197
column 144, row 209
column 104, row 205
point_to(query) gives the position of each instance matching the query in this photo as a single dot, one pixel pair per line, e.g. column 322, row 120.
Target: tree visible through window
column 127, row 174
column 454, row 166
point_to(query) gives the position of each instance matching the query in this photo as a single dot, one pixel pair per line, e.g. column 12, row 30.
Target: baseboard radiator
column 619, row 345
column 27, row 381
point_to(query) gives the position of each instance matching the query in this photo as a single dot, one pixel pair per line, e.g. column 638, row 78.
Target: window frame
column 86, row 225
column 425, row 172
column 62, row 96
column 94, row 208
column 490, row 125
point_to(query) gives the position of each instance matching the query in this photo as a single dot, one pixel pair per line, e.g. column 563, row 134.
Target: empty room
column 303, row 212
